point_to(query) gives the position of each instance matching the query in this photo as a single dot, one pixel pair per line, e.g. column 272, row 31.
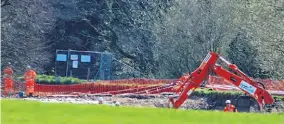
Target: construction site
column 195, row 90
column 141, row 62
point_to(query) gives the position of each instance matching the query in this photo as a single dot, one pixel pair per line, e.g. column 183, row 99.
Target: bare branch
column 5, row 3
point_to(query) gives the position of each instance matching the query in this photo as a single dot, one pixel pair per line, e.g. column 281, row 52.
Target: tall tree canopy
column 153, row 39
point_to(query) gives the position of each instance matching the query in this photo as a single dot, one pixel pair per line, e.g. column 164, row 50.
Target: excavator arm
column 209, row 65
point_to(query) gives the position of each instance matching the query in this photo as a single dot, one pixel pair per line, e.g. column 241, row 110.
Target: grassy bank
column 30, row 112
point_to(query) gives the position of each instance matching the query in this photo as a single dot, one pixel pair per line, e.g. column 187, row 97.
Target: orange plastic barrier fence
column 139, row 86
column 112, row 86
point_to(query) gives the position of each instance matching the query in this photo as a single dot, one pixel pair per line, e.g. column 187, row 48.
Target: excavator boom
column 209, row 65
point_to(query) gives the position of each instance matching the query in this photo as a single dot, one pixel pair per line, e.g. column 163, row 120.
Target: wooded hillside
column 157, row 38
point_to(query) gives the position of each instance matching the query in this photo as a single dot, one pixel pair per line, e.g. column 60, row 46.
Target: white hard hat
column 100, row 98
column 228, row 101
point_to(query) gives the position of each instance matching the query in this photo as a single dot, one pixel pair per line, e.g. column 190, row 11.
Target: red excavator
column 188, row 83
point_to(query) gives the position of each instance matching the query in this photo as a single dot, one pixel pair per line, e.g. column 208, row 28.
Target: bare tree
column 122, row 27
column 263, row 19
column 155, row 38
column 23, row 27
column 192, row 29
column 5, row 3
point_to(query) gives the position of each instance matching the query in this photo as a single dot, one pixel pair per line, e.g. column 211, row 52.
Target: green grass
column 30, row 112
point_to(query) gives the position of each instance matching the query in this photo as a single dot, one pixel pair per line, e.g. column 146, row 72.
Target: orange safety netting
column 138, row 86
column 108, row 87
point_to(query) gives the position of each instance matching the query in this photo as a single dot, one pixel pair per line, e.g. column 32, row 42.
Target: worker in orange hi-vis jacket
column 229, row 107
column 8, row 80
column 30, row 77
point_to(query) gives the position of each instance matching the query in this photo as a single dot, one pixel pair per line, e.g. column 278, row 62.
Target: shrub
column 47, row 79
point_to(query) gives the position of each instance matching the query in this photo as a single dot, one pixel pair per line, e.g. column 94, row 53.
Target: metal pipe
column 224, row 60
column 67, row 66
